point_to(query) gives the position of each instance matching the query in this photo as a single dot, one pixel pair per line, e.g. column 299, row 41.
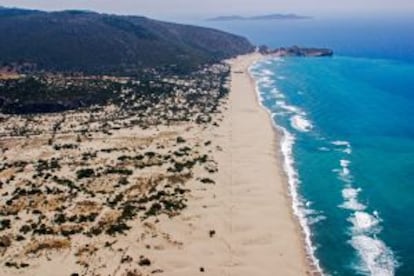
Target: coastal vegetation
column 100, row 139
column 89, row 160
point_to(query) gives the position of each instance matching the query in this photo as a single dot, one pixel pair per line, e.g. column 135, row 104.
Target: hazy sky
column 177, row 8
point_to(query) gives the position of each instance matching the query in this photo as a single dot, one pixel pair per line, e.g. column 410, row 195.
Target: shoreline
column 281, row 135
column 285, row 223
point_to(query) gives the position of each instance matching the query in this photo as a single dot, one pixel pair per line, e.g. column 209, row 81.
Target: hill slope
column 93, row 42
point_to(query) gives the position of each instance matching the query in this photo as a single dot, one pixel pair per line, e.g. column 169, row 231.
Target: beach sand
column 264, row 236
column 239, row 223
column 249, row 208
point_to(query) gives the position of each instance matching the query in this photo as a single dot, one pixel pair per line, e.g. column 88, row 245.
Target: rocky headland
column 296, row 51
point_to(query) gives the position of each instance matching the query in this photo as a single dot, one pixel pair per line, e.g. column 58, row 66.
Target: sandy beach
column 186, row 199
column 249, row 208
column 265, row 236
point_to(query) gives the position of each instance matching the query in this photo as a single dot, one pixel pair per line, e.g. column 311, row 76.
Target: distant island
column 275, row 16
column 296, row 51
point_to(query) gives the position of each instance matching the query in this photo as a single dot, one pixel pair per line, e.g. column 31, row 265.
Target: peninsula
column 296, row 51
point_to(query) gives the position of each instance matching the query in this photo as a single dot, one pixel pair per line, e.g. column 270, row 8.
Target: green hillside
column 95, row 43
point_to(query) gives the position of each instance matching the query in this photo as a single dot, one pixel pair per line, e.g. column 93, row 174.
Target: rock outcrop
column 296, row 51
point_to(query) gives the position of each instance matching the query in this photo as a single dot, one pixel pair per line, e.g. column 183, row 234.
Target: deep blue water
column 348, row 125
column 349, row 122
column 376, row 37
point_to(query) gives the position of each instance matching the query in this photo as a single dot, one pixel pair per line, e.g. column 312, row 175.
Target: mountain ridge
column 74, row 40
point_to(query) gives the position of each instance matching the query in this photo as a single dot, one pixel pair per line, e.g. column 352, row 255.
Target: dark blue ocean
column 348, row 137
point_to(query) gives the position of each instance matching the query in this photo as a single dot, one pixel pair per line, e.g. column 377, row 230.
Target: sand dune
column 237, row 220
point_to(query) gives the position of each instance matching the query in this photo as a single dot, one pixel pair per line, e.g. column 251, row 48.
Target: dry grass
column 37, row 246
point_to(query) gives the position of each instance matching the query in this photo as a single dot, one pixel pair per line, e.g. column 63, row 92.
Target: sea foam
column 265, row 81
column 276, row 93
column 363, row 221
column 375, row 257
column 290, row 108
column 351, row 202
column 299, row 206
column 345, row 172
column 344, row 145
column 301, row 123
column 266, row 72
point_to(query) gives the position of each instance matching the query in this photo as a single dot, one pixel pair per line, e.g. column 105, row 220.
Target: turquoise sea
column 348, row 139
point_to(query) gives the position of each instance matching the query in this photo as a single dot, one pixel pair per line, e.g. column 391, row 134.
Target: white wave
column 261, row 98
column 348, row 150
column 341, row 143
column 377, row 258
column 300, row 123
column 266, row 96
column 276, row 93
column 267, row 72
column 344, row 163
column 314, row 220
column 281, row 77
column 290, row 108
column 363, row 221
column 323, row 149
column 349, row 193
column 299, row 209
column 351, row 202
column 346, row 144
column 345, row 172
column 265, row 81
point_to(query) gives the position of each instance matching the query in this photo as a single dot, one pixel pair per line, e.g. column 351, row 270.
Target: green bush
column 85, row 173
